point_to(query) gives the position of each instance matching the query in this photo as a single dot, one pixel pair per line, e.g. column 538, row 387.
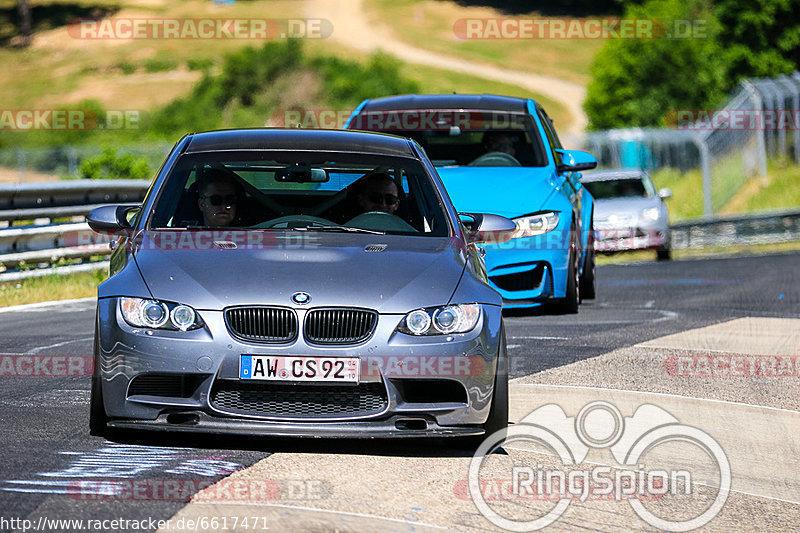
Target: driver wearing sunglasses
column 378, row 193
column 217, row 199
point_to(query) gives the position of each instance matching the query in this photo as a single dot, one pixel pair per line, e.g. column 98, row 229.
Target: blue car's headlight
column 159, row 315
column 441, row 320
column 536, row 224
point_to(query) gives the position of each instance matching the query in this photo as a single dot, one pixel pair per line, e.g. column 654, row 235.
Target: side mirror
column 112, row 218
column 665, row 193
column 482, row 227
column 575, row 161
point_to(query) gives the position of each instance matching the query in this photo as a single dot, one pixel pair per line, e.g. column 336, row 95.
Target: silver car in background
column 629, row 213
column 304, row 314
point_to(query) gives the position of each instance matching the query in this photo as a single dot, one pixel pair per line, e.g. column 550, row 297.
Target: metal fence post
column 761, row 149
column 705, row 164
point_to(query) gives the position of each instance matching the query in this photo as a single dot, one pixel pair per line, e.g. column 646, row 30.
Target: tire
column 569, row 304
column 97, row 411
column 588, row 287
column 498, row 411
column 664, row 254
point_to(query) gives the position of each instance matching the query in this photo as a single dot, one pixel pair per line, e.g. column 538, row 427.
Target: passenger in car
column 218, row 198
column 377, row 192
column 499, row 142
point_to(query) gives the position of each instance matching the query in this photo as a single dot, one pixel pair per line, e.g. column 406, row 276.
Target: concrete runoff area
column 421, row 486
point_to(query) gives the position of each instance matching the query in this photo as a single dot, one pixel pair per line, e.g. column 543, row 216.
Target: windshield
column 298, row 191
column 460, row 138
column 618, row 188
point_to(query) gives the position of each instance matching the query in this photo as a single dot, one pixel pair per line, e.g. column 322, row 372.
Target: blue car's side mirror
column 575, row 161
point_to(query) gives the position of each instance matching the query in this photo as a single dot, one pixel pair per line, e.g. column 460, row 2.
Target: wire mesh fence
column 729, row 145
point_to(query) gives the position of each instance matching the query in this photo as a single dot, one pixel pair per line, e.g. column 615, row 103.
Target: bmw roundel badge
column 301, row 298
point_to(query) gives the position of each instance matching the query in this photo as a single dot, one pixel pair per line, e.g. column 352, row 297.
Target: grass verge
column 47, row 288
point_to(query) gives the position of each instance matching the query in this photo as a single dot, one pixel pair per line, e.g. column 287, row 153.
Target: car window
column 550, row 133
column 618, row 188
column 457, row 137
column 301, row 191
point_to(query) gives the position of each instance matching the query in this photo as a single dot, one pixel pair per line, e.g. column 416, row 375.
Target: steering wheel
column 496, row 159
column 380, row 221
column 293, row 221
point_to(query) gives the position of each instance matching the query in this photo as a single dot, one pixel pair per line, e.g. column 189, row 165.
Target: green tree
column 760, row 37
column 636, row 82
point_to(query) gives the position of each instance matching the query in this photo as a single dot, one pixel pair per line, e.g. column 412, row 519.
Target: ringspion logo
column 632, row 442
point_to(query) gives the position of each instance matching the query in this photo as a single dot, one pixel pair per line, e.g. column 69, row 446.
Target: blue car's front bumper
column 529, row 271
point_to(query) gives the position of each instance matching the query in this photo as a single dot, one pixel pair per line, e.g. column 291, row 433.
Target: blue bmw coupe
column 497, row 154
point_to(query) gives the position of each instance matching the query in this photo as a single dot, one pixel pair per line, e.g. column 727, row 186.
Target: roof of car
column 613, row 174
column 300, row 139
column 483, row 102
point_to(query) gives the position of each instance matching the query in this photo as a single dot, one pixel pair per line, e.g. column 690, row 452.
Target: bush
column 349, row 83
column 160, row 64
column 196, row 63
column 109, row 165
column 244, row 94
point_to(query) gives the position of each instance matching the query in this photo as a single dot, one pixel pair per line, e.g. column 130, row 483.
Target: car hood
column 334, row 268
column 506, row 191
column 623, row 207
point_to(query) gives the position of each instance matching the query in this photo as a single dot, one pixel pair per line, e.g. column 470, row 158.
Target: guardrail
column 44, row 243
column 36, row 240
column 761, row 228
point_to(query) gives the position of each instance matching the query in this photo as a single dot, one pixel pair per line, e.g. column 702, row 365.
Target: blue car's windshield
column 300, row 191
column 460, row 138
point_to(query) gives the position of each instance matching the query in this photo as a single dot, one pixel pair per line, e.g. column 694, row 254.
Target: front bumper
column 620, row 239
column 206, row 359
column 529, row 271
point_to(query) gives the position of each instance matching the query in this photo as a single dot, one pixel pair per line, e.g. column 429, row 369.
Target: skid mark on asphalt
column 115, row 461
column 57, row 345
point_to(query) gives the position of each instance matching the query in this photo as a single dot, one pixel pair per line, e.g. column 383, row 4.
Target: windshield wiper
column 349, row 229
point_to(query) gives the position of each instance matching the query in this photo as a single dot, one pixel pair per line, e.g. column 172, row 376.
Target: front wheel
column 498, row 411
column 588, row 285
column 97, row 411
column 569, row 304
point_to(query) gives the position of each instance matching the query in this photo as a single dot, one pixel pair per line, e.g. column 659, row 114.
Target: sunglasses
column 220, row 199
column 386, row 199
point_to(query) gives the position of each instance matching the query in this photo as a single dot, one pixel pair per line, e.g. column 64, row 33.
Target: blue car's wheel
column 588, row 285
column 569, row 304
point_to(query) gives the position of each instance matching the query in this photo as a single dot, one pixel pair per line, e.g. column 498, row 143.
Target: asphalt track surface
column 613, row 350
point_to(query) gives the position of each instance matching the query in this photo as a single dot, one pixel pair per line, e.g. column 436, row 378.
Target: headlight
column 536, row 224
column 158, row 315
column 441, row 320
column 651, row 213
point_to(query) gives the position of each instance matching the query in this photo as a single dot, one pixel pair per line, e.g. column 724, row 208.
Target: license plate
column 293, row 368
